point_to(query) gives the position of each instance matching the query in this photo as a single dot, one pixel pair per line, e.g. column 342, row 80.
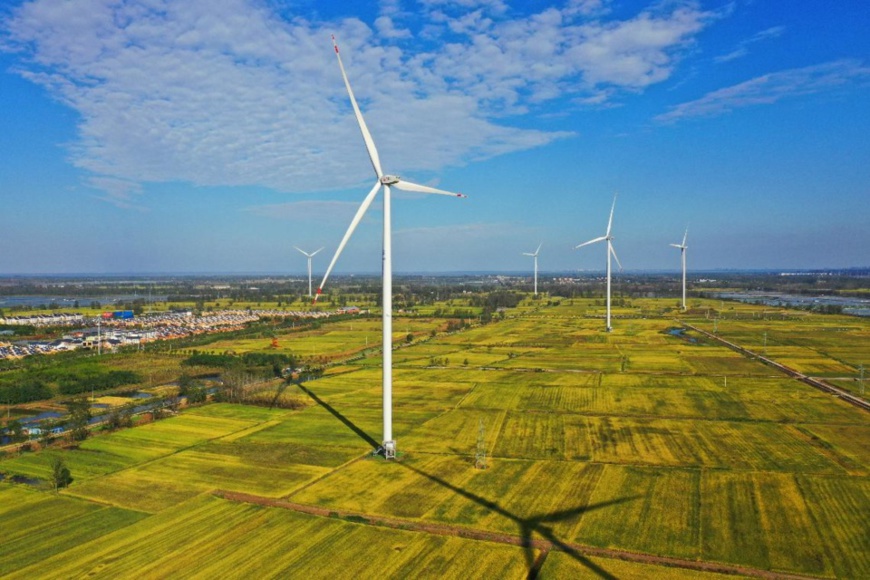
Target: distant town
column 112, row 330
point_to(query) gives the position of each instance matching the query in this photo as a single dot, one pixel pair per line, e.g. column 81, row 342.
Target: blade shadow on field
column 347, row 422
column 528, row 525
column 533, row 524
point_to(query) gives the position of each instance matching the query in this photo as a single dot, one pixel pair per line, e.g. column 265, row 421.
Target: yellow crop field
column 157, row 487
column 730, row 445
column 630, row 494
column 783, row 521
column 38, row 526
column 837, row 507
column 543, row 436
column 664, row 444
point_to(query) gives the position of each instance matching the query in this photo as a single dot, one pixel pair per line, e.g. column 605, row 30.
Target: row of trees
column 74, row 385
column 25, row 391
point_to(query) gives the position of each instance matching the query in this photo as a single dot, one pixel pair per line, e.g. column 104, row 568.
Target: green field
column 674, row 449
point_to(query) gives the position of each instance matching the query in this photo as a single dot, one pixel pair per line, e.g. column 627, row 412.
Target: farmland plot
column 384, row 488
column 229, row 467
column 508, row 497
column 731, row 524
column 628, row 495
column 730, row 445
column 38, row 525
column 129, row 447
column 838, row 507
column 849, row 444
column 543, row 436
column 455, row 432
column 781, row 521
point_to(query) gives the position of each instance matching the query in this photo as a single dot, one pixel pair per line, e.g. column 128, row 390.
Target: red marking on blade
column 320, row 290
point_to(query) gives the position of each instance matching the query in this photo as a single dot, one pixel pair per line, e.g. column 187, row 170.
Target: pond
column 681, row 333
column 41, row 417
column 21, row 479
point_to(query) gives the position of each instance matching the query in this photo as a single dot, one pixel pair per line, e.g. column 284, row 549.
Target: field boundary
column 501, row 538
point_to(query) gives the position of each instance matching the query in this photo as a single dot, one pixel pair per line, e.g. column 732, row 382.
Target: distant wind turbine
column 383, row 180
column 309, row 256
column 682, row 248
column 535, row 256
column 610, row 251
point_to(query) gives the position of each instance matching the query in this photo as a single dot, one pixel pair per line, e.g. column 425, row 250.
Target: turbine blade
column 367, row 137
column 408, row 186
column 686, row 235
column 610, row 221
column 301, row 250
column 316, row 251
column 676, row 246
column 601, row 239
column 539, row 248
column 528, row 254
column 356, row 219
column 612, row 251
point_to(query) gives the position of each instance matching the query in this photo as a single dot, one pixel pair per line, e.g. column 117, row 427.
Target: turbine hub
column 389, row 179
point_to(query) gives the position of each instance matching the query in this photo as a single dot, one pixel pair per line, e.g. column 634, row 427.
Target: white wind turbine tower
column 309, row 256
column 682, row 248
column 535, row 256
column 610, row 251
column 386, row 181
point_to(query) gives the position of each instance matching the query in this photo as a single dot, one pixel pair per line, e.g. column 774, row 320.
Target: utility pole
column 764, row 350
column 861, row 370
column 715, row 326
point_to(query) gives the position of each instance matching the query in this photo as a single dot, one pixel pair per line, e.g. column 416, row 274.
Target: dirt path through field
column 543, row 545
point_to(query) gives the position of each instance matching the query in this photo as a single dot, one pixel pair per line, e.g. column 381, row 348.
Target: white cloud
column 492, row 6
column 771, row 88
column 506, row 65
column 636, row 53
column 587, row 7
column 743, row 48
column 739, row 52
column 230, row 93
column 387, row 29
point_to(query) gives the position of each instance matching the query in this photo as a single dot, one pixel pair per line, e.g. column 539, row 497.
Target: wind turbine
column 610, row 251
column 682, row 248
column 535, row 256
column 309, row 256
column 386, row 181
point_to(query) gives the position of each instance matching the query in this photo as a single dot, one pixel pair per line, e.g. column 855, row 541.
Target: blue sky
column 157, row 136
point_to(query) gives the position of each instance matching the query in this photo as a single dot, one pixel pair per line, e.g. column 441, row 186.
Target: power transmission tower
column 480, row 456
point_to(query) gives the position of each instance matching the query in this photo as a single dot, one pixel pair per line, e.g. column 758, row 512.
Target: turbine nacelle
column 389, row 179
